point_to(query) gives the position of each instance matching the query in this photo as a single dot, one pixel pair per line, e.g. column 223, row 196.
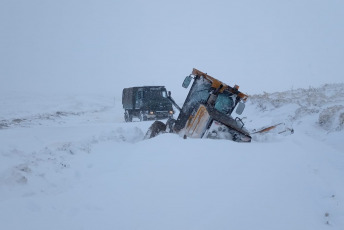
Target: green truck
column 146, row 103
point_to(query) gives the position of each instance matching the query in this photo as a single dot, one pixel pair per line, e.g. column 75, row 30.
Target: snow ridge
column 326, row 102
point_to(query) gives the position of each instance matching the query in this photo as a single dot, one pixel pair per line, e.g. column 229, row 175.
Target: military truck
column 146, row 103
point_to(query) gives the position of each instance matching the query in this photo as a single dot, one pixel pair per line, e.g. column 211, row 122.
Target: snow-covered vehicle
column 146, row 102
column 207, row 111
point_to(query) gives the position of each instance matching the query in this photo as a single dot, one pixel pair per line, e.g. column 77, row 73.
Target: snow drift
column 73, row 163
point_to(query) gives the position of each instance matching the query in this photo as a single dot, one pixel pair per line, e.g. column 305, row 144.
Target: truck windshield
column 224, row 103
column 154, row 94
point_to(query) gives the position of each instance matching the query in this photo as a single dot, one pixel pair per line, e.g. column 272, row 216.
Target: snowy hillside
column 71, row 162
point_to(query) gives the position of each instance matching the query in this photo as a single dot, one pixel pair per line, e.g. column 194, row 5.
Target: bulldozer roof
column 216, row 84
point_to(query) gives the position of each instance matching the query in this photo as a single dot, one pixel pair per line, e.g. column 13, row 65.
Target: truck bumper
column 159, row 114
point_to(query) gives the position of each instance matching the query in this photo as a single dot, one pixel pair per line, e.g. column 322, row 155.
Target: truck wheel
column 127, row 116
column 142, row 116
column 156, row 128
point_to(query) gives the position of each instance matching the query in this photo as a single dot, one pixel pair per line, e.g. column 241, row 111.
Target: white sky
column 104, row 46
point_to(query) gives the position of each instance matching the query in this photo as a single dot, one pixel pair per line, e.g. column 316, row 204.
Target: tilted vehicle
column 207, row 111
column 146, row 102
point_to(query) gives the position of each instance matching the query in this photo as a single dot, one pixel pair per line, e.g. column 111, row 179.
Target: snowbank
column 87, row 169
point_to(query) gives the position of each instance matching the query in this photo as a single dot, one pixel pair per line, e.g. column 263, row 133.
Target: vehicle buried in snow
column 146, row 102
column 207, row 111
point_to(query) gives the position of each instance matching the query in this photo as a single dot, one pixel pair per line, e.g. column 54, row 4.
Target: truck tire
column 128, row 117
column 142, row 116
column 155, row 129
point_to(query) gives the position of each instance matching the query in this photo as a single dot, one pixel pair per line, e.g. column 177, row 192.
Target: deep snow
column 71, row 162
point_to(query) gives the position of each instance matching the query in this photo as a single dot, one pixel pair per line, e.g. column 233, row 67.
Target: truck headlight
column 151, row 112
column 171, row 112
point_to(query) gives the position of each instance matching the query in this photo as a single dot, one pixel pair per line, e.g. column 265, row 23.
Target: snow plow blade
column 235, row 126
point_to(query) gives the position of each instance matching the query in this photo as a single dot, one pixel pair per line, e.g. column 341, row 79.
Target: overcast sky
column 103, row 46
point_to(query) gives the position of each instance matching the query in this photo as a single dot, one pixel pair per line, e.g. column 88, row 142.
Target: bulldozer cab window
column 199, row 93
column 224, row 103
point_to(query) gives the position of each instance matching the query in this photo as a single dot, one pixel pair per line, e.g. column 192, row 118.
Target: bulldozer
column 207, row 111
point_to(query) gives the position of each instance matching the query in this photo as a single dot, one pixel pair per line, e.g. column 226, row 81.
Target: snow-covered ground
column 71, row 162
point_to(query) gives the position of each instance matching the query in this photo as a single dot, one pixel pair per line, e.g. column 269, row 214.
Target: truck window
column 155, row 94
column 164, row 94
column 140, row 94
